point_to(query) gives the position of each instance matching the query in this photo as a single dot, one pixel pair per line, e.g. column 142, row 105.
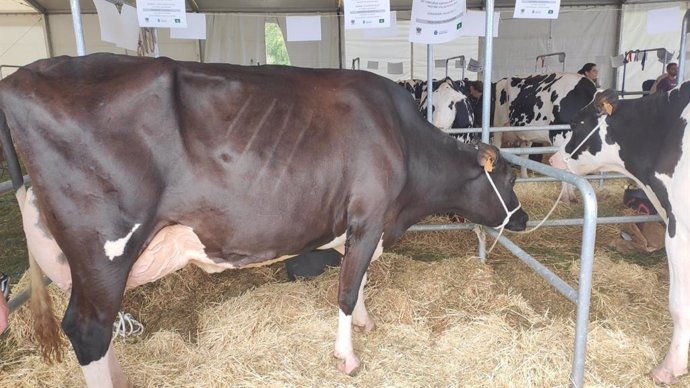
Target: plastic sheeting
column 585, row 34
column 235, row 38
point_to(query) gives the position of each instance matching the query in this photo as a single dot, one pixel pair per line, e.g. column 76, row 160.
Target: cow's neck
column 436, row 178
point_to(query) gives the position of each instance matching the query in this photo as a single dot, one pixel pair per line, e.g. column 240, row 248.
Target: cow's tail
column 46, row 328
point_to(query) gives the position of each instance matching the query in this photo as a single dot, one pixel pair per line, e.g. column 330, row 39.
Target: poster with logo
column 162, row 13
column 436, row 21
column 537, row 9
column 367, row 14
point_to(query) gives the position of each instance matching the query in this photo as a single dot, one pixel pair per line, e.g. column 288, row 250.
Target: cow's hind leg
column 675, row 363
column 360, row 316
column 362, row 241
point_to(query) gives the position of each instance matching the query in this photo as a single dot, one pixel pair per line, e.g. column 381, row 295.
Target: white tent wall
column 585, row 34
column 22, row 40
column 235, row 38
column 320, row 54
column 64, row 43
column 397, row 49
column 634, row 36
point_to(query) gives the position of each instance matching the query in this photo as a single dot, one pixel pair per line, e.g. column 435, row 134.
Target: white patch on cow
column 116, row 248
column 41, row 244
column 343, row 344
column 104, row 373
column 607, row 159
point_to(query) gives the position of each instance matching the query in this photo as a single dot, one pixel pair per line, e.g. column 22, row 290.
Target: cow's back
column 208, row 146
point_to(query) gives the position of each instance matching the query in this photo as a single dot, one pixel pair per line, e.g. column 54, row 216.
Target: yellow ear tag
column 489, row 165
column 608, row 108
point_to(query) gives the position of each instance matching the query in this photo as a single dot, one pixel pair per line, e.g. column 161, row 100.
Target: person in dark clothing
column 476, row 90
column 668, row 80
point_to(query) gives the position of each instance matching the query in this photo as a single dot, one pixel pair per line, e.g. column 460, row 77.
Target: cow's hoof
column 664, row 376
column 368, row 327
column 349, row 365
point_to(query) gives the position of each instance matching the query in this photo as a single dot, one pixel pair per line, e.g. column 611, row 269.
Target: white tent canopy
column 588, row 31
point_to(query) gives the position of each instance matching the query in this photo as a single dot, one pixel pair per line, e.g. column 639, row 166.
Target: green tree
column 276, row 52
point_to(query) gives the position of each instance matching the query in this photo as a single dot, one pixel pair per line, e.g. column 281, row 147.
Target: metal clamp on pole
column 561, row 59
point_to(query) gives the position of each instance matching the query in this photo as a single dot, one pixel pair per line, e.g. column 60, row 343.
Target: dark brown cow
column 140, row 166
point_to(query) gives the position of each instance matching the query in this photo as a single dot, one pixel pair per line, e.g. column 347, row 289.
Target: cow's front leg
column 99, row 274
column 361, row 246
column 675, row 363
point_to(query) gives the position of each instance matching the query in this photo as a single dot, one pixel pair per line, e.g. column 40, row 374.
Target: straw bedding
column 443, row 319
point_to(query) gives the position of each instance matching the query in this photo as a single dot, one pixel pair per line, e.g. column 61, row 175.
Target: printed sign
column 436, row 21
column 303, row 28
column 162, row 13
column 537, row 9
column 196, row 28
column 367, row 13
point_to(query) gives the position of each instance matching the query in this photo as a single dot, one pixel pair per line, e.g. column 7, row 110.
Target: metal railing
column 461, row 59
column 581, row 296
column 661, row 51
column 561, row 58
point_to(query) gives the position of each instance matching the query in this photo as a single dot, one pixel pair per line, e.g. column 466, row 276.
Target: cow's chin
column 518, row 222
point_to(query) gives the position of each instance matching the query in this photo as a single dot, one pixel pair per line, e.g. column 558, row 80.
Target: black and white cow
column 647, row 139
column 140, row 166
column 541, row 99
column 451, row 107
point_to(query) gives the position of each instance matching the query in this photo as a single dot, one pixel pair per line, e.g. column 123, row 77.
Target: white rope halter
column 509, row 213
column 568, row 156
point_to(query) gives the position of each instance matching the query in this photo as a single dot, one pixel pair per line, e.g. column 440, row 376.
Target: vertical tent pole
column 156, row 45
column 486, row 97
column 488, row 59
column 683, row 47
column 429, row 81
column 78, row 31
column 411, row 60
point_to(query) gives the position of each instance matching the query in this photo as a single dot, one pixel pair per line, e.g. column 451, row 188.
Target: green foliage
column 276, row 52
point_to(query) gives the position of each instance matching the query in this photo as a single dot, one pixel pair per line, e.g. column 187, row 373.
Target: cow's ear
column 606, row 102
column 487, row 155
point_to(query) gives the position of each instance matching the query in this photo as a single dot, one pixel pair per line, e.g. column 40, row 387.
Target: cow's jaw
column 606, row 159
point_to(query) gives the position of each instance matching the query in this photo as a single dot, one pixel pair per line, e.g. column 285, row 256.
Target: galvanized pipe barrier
column 588, row 177
column 582, row 296
column 683, row 47
column 457, row 131
column 6, row 187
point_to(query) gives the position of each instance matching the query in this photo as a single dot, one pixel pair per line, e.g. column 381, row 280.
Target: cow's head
column 589, row 146
column 484, row 202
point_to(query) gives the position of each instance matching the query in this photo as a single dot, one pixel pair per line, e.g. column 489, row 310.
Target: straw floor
column 443, row 318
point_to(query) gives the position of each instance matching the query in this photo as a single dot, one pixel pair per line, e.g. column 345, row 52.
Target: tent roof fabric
column 267, row 6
